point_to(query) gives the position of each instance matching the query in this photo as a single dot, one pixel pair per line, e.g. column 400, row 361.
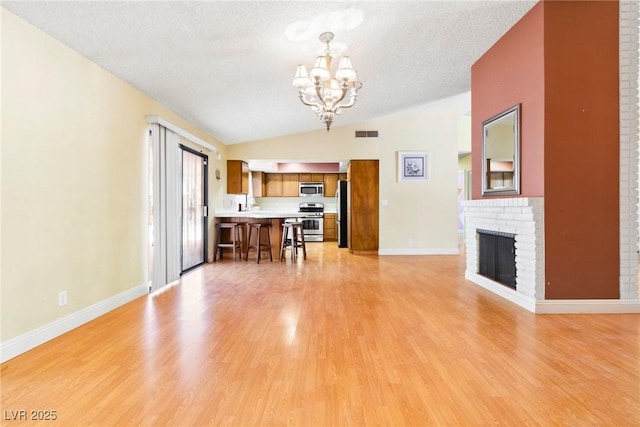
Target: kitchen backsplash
column 231, row 201
column 287, row 203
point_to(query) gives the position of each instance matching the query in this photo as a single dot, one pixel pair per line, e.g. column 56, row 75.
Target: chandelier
column 323, row 93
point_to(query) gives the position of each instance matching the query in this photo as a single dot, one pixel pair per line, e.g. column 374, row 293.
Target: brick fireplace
column 497, row 256
column 521, row 217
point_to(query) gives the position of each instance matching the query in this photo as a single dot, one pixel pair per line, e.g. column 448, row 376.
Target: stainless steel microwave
column 311, row 189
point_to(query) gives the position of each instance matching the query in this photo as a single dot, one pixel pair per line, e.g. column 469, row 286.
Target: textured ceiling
column 227, row 66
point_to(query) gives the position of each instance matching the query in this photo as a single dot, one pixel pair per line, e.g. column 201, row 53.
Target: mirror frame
column 515, row 189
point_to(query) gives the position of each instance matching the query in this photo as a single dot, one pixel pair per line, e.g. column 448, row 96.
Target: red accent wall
column 560, row 62
column 510, row 73
column 581, row 157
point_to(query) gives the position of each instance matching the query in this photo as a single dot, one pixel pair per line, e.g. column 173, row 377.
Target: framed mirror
column 501, row 153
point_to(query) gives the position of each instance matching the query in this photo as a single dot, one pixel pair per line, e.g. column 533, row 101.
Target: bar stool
column 234, row 241
column 294, row 242
column 261, row 245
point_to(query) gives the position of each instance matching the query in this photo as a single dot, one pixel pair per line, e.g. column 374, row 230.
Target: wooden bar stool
column 298, row 239
column 292, row 238
column 234, row 241
column 263, row 243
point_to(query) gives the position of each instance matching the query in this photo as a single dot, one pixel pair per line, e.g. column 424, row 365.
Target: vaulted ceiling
column 227, row 66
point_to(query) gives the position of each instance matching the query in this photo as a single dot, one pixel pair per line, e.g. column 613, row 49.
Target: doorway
column 194, row 209
column 178, row 198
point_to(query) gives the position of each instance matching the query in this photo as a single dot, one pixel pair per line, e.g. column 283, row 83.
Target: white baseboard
column 25, row 342
column 419, row 251
column 515, row 297
column 577, row 306
column 588, row 306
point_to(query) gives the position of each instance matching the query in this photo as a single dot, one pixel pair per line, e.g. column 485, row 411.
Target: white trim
column 419, row 251
column 589, row 306
column 518, row 298
column 25, row 342
column 159, row 274
column 171, row 203
column 159, row 120
column 574, row 306
column 628, row 160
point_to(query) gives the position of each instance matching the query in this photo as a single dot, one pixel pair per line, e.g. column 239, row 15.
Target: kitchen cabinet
column 281, row 184
column 363, row 206
column 311, row 177
column 330, row 233
column 258, row 184
column 237, row 177
column 273, row 184
column 290, row 187
column 501, row 180
column 330, row 184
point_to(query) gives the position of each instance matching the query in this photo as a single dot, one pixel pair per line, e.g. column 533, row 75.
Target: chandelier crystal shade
column 323, row 93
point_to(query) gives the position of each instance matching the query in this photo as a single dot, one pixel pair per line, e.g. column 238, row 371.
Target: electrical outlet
column 62, row 298
column 410, row 242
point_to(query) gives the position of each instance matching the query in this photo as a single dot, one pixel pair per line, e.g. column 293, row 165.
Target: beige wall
column 74, row 180
column 75, row 177
column 464, row 131
column 464, row 163
column 425, row 212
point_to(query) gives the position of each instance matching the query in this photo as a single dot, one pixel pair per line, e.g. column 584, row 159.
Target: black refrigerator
column 342, row 217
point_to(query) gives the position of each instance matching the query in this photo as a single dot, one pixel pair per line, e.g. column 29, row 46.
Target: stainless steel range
column 312, row 217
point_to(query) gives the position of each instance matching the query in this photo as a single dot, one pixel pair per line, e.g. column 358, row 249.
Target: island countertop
column 260, row 214
column 274, row 217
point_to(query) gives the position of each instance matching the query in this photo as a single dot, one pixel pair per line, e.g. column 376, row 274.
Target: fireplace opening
column 497, row 256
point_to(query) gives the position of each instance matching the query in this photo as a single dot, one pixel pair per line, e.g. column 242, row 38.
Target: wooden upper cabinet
column 257, row 181
column 237, row 177
column 290, row 187
column 273, row 184
column 330, row 184
column 311, row 177
column 281, row 184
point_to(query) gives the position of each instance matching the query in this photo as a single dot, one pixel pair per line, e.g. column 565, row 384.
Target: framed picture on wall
column 413, row 166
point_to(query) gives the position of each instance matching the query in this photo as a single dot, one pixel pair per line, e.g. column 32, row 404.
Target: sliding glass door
column 194, row 208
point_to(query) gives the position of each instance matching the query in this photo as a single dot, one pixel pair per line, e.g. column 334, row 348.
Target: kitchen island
column 274, row 218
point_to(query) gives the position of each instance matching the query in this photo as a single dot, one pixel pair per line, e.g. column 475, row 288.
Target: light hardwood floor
column 337, row 339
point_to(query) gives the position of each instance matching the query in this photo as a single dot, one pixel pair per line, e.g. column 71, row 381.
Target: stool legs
column 260, row 245
column 283, row 244
column 300, row 243
column 234, row 242
column 295, row 241
column 294, row 249
column 248, row 242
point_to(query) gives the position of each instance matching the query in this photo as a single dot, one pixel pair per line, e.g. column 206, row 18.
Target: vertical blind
column 166, row 206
